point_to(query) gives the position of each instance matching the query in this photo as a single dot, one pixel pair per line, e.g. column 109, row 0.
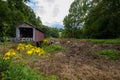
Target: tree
column 4, row 15
column 13, row 12
column 75, row 20
column 93, row 19
column 103, row 20
column 50, row 31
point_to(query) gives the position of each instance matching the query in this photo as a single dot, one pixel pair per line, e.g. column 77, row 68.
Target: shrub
column 53, row 48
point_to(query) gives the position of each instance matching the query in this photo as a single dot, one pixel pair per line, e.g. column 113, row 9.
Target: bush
column 53, row 48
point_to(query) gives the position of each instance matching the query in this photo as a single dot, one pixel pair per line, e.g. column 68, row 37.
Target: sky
column 51, row 12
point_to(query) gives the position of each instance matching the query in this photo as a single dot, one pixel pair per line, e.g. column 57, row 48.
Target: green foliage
column 19, row 70
column 14, row 64
column 4, row 66
column 112, row 54
column 22, row 72
column 26, row 42
column 75, row 20
column 103, row 20
column 50, row 78
column 13, row 12
column 53, row 48
column 107, row 41
column 50, row 32
column 93, row 19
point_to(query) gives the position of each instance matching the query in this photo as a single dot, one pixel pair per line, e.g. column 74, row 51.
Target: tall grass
column 53, row 48
column 112, row 54
column 14, row 65
column 107, row 41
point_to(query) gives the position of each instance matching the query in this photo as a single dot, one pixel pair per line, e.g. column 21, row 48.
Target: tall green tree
column 93, row 19
column 75, row 20
column 13, row 12
column 103, row 20
column 50, row 31
column 4, row 16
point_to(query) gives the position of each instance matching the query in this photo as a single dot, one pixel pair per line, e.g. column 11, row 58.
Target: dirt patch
column 80, row 62
column 4, row 47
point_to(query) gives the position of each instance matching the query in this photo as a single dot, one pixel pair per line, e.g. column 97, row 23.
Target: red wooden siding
column 39, row 36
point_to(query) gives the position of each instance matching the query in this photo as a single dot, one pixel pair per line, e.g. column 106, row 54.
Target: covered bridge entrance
column 27, row 32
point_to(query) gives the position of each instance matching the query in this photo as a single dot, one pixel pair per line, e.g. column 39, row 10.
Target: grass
column 53, row 48
column 98, row 41
column 107, row 41
column 112, row 54
column 18, row 68
column 13, row 70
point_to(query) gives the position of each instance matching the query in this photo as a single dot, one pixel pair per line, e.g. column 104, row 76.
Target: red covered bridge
column 28, row 32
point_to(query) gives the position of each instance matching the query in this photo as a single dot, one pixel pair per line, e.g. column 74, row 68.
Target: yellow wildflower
column 6, row 58
column 12, row 52
column 28, row 46
column 45, row 41
column 29, row 52
column 21, row 47
column 9, row 54
column 37, row 50
column 33, row 50
column 41, row 52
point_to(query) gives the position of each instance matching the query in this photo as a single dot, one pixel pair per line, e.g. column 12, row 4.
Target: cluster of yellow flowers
column 45, row 41
column 9, row 54
column 27, row 49
column 30, row 49
column 21, row 47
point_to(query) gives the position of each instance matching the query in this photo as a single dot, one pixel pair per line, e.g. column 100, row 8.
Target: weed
column 112, row 54
column 53, row 48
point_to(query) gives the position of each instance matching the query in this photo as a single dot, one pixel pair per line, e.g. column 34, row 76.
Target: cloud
column 55, row 11
column 50, row 1
column 51, row 11
column 41, row 10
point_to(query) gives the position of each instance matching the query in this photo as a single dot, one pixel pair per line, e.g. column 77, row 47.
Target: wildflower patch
column 26, row 49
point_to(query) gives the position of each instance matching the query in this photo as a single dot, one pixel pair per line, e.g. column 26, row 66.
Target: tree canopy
column 13, row 12
column 93, row 19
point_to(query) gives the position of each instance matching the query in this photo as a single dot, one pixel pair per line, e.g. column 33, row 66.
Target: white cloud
column 51, row 11
column 50, row 1
column 56, row 11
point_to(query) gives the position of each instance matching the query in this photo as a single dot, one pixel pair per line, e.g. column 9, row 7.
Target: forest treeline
column 93, row 19
column 13, row 12
column 86, row 19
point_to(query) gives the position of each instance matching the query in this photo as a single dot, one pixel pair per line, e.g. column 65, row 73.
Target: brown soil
column 80, row 62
